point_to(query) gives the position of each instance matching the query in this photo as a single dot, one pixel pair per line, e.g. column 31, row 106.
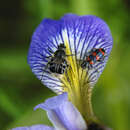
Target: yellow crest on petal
column 75, row 83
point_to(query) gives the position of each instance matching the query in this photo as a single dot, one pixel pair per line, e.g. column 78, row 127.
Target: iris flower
column 61, row 113
column 80, row 35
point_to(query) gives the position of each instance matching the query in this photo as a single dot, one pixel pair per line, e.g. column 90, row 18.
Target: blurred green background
column 20, row 90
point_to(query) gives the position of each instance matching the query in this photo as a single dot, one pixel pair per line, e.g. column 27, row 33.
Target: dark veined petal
column 63, row 114
column 80, row 34
column 34, row 127
column 46, row 37
column 85, row 33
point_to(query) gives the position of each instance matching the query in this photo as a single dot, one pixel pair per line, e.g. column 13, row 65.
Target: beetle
column 57, row 61
column 92, row 57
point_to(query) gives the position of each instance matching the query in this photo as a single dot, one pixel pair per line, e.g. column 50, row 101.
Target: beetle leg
column 50, row 51
column 46, row 67
column 47, row 57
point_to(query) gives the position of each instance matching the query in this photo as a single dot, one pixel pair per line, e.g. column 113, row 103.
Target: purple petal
column 63, row 114
column 53, row 103
column 34, row 127
column 45, row 37
column 83, row 33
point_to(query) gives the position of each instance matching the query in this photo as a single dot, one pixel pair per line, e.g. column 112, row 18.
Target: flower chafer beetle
column 57, row 61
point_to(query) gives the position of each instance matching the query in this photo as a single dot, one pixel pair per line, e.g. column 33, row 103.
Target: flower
column 80, row 35
column 62, row 114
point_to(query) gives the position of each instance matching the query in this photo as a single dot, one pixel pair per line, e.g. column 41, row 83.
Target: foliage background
column 20, row 91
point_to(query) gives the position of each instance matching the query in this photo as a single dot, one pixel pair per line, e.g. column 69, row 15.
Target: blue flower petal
column 45, row 38
column 85, row 33
column 34, row 127
column 63, row 114
column 82, row 33
column 53, row 103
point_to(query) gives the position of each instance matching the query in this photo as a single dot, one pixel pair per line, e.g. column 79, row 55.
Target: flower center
column 76, row 83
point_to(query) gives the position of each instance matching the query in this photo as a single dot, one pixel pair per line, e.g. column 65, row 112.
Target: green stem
column 87, row 108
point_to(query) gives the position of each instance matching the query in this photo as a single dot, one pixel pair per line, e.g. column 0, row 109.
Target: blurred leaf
column 7, row 105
